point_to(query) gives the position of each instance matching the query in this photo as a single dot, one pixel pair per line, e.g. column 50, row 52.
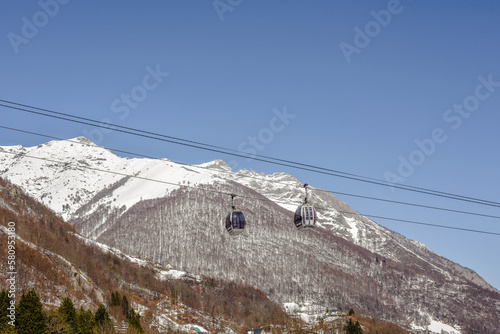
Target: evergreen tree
column 115, row 299
column 101, row 318
column 351, row 312
column 55, row 323
column 134, row 322
column 8, row 329
column 125, row 306
column 4, row 304
column 30, row 318
column 5, row 327
column 67, row 312
column 352, row 327
column 85, row 321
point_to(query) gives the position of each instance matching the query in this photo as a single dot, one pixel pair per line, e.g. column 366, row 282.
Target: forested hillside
column 172, row 214
column 316, row 266
column 55, row 263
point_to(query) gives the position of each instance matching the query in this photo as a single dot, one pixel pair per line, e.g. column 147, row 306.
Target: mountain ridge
column 189, row 202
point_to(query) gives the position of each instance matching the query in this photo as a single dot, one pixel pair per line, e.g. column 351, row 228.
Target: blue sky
column 367, row 87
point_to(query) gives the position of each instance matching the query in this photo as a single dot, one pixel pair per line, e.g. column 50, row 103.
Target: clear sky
column 405, row 90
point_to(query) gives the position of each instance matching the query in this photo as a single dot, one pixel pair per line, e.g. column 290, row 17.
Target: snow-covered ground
column 77, row 170
column 437, row 327
column 353, row 227
column 308, row 311
column 170, row 274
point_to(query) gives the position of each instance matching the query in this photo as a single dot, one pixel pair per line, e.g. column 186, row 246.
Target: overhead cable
column 260, row 179
column 241, row 196
column 207, row 147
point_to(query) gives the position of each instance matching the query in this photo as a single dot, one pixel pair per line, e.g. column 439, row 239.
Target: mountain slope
column 57, row 262
column 173, row 214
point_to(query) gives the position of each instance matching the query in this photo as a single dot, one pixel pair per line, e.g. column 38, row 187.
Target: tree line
column 30, row 318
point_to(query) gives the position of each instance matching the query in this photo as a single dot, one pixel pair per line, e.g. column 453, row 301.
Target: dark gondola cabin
column 235, row 222
column 305, row 216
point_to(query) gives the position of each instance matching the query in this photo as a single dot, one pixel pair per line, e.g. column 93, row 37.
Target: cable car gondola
column 305, row 215
column 235, row 220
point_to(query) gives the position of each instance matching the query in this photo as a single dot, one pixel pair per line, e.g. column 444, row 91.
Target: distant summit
column 83, row 140
column 217, row 165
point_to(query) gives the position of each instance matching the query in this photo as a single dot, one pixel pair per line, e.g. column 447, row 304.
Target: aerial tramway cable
column 213, row 191
column 256, row 178
column 281, row 162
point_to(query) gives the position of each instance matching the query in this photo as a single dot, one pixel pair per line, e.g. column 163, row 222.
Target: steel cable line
column 357, row 178
column 425, row 224
column 246, row 197
column 361, row 179
column 100, row 124
column 249, row 176
column 414, row 204
column 239, row 154
column 166, row 140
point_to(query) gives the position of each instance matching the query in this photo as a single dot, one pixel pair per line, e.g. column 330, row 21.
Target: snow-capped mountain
column 173, row 213
column 64, row 175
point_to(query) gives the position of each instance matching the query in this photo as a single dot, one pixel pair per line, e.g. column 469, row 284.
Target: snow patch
column 440, row 327
column 216, row 165
column 307, row 311
column 437, row 327
column 170, row 274
column 353, row 227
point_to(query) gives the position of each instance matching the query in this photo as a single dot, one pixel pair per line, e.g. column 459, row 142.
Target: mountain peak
column 83, row 140
column 217, row 164
column 69, row 142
